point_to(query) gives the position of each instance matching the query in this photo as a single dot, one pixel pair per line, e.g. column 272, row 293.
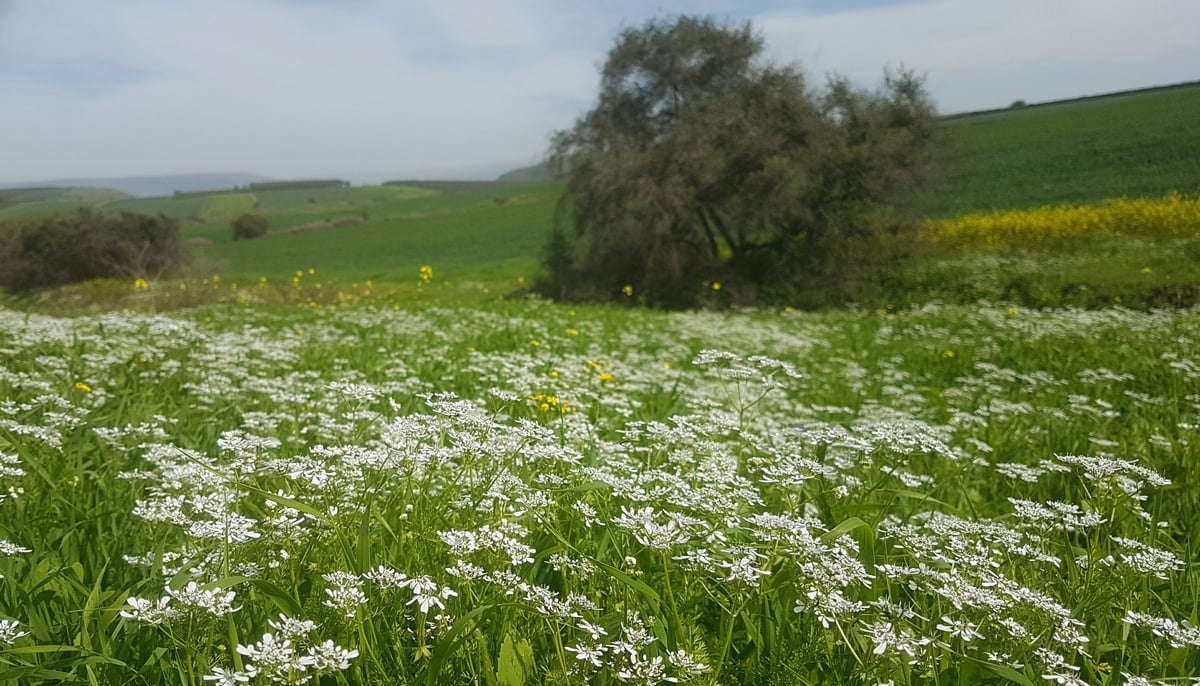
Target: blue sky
column 375, row 89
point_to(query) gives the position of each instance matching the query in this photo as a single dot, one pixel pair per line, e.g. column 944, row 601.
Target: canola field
column 1170, row 217
column 525, row 493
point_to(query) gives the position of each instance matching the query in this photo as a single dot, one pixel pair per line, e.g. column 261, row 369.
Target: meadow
column 351, row 452
column 1012, row 172
column 530, row 493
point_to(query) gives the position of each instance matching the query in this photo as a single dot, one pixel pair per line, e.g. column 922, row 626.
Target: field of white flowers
column 529, row 494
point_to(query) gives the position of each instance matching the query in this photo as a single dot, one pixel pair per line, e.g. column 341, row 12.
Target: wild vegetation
column 325, row 465
column 702, row 160
column 249, row 226
column 85, row 245
column 532, row 494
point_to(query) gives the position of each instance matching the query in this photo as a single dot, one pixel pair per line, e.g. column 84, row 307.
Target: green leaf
column 844, row 528
column 917, row 495
column 484, row 659
column 1006, row 672
column 448, row 642
column 364, row 540
column 286, row 603
column 284, row 500
column 630, row 582
column 515, row 665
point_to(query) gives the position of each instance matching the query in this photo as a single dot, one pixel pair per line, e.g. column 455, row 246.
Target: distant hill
column 25, row 202
column 532, row 173
column 149, row 186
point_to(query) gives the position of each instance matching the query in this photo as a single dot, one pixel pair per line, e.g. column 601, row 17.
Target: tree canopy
column 702, row 161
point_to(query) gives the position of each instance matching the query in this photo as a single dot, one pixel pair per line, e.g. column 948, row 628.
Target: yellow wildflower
column 140, row 285
column 627, row 290
column 81, row 386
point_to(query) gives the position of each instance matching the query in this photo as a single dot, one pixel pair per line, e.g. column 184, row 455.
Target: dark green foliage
column 88, row 245
column 250, row 225
column 703, row 163
column 297, row 185
column 438, row 186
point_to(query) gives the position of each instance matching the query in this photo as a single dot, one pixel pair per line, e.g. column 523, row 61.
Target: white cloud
column 283, row 91
column 957, row 40
column 452, row 87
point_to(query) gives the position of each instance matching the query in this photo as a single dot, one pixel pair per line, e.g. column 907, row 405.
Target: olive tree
column 702, row 161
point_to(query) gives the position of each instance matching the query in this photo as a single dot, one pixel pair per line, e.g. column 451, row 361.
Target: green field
column 17, row 203
column 531, row 494
column 1135, row 145
column 1140, row 144
column 309, row 461
column 468, row 235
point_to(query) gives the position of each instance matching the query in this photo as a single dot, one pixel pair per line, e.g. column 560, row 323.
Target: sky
column 369, row 90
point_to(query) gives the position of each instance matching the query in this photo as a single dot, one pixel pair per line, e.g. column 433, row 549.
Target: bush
column 250, row 226
column 60, row 249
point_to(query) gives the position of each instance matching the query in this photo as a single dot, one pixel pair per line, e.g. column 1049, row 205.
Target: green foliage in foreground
column 530, row 494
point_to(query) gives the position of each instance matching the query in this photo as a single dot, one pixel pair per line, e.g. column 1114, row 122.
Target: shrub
column 60, row 249
column 250, row 226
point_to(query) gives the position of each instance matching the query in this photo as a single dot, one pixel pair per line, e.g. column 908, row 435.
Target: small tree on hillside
column 250, row 225
column 703, row 161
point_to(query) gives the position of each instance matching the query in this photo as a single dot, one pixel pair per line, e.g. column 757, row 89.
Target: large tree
column 703, row 160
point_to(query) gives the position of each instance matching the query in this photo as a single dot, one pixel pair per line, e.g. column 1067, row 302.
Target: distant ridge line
column 1064, row 101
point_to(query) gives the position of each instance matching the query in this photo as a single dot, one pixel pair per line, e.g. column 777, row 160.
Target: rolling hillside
column 1138, row 144
column 25, row 202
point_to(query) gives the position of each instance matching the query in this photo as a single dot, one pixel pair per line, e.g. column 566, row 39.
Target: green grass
column 902, row 508
column 17, row 203
column 1136, row 145
column 463, row 236
column 1141, row 144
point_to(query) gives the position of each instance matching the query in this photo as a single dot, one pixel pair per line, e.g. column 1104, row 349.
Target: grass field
column 17, row 203
column 528, row 493
column 1140, row 145
column 468, row 235
column 342, row 456
column 1136, row 145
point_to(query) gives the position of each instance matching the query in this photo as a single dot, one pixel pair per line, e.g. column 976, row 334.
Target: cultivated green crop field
column 528, row 493
column 1135, row 145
